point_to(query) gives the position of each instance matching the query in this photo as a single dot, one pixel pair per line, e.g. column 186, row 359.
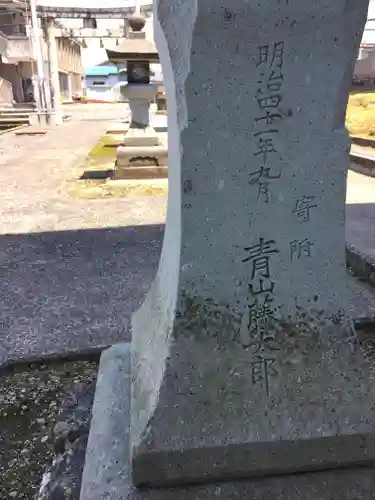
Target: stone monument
column 244, row 359
column 245, row 362
column 142, row 154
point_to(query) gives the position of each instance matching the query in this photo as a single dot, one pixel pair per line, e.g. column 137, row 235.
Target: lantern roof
column 134, row 50
column 136, row 47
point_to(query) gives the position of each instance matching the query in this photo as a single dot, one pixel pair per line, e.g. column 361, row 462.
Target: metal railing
column 14, row 30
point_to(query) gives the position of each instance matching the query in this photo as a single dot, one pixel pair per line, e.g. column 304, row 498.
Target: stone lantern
column 142, row 154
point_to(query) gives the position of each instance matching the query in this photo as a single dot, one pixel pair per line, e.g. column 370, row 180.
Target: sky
column 95, row 55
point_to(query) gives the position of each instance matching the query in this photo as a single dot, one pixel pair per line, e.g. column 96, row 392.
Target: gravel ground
column 32, row 400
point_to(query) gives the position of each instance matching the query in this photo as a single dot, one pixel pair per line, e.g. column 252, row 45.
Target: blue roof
column 101, row 71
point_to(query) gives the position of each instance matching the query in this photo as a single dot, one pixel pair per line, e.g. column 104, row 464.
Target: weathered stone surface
column 142, row 172
column 245, row 362
column 107, row 473
column 141, row 137
column 141, row 144
column 127, row 157
column 353, row 484
column 140, row 97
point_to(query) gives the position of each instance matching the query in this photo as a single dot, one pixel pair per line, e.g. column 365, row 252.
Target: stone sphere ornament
column 137, row 22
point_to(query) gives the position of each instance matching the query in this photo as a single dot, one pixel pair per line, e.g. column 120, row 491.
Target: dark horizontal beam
column 97, row 13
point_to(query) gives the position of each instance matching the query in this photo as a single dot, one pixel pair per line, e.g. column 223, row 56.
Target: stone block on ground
column 141, row 172
column 141, row 137
column 107, row 472
column 134, row 160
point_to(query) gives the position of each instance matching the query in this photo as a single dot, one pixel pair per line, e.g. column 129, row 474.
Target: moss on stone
column 102, row 149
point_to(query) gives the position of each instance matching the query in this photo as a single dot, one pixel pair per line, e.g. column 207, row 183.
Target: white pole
column 40, row 88
column 138, row 7
column 53, row 70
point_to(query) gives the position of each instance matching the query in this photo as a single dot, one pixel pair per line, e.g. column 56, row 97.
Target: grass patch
column 101, row 157
column 360, row 115
column 102, row 150
column 90, row 189
column 89, row 180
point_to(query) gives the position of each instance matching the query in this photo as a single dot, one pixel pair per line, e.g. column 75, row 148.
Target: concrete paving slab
column 72, row 291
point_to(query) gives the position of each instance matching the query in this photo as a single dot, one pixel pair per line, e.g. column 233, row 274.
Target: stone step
column 24, row 105
column 14, row 120
column 362, row 164
column 14, row 116
column 17, row 110
column 142, row 172
column 4, row 127
column 20, row 116
column 363, row 141
column 4, row 116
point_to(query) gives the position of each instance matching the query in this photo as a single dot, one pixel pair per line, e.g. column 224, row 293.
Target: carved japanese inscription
column 269, row 97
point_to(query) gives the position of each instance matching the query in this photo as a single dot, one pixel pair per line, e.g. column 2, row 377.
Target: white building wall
column 365, row 66
column 104, row 91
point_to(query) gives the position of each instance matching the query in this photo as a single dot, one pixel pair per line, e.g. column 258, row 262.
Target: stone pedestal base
column 141, row 172
column 113, row 139
column 107, row 471
column 117, row 128
column 141, row 137
column 115, row 133
column 146, row 162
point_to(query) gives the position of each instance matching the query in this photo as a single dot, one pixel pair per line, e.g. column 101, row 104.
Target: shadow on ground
column 72, row 290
